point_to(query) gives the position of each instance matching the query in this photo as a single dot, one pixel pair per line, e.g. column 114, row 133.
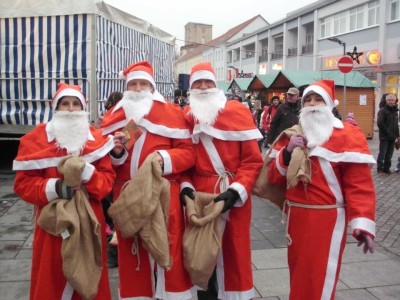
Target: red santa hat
column 65, row 89
column 202, row 70
column 140, row 70
column 325, row 88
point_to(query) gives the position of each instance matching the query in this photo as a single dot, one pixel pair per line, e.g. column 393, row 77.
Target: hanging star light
column 355, row 55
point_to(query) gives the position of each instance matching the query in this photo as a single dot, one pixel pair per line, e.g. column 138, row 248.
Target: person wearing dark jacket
column 388, row 124
column 286, row 115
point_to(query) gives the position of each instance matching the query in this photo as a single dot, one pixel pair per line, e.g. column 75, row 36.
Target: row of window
column 357, row 18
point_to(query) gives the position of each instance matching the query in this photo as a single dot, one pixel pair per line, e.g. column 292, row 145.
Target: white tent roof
column 34, row 8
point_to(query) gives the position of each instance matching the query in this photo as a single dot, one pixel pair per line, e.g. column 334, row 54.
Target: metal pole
column 344, row 86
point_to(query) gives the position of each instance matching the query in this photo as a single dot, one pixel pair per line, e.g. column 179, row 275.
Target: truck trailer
column 82, row 42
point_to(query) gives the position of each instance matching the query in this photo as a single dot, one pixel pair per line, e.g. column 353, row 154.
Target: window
column 373, row 13
column 394, row 10
column 357, row 18
column 326, row 25
column 339, row 23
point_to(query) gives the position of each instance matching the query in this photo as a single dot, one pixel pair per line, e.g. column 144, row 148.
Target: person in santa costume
column 165, row 133
column 228, row 162
column 338, row 191
column 38, row 182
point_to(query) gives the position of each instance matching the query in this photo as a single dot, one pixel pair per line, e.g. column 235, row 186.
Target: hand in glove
column 296, row 140
column 187, row 191
column 64, row 191
column 364, row 238
column 230, row 196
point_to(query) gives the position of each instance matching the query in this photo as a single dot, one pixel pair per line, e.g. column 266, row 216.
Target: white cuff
column 166, row 161
column 51, row 193
column 87, row 172
column 242, row 193
column 187, row 184
column 119, row 161
column 364, row 224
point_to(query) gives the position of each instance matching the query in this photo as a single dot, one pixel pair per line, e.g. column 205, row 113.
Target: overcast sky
column 172, row 15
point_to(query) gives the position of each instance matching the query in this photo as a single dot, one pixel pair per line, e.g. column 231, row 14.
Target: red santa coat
column 36, row 166
column 341, row 179
column 165, row 131
column 228, row 156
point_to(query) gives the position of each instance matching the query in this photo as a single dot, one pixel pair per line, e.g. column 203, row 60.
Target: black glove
column 187, row 191
column 64, row 191
column 230, row 196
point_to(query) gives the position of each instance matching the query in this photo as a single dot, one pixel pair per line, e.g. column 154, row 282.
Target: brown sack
column 81, row 251
column 143, row 207
column 202, row 238
column 298, row 169
column 264, row 189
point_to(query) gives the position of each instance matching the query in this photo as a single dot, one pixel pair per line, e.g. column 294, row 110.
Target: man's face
column 203, row 84
column 138, row 85
column 292, row 98
column 313, row 100
column 391, row 101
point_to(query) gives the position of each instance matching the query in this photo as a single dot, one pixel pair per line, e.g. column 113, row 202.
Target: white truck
column 83, row 42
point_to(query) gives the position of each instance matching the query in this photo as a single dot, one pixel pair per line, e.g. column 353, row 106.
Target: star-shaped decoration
column 355, row 55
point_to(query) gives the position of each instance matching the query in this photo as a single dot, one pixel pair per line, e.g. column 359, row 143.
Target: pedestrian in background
column 335, row 189
column 165, row 133
column 228, row 162
column 286, row 115
column 350, row 119
column 269, row 113
column 388, row 125
column 37, row 181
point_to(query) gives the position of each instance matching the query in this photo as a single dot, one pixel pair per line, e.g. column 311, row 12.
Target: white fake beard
column 317, row 124
column 137, row 104
column 206, row 104
column 71, row 130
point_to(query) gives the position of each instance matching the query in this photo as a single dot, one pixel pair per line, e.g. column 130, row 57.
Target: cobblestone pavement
column 362, row 277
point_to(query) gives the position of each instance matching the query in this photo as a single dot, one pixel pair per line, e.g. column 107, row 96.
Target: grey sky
column 172, row 15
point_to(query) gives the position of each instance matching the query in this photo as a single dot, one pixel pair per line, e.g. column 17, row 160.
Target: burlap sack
column 81, row 251
column 264, row 189
column 202, row 238
column 143, row 207
column 298, row 170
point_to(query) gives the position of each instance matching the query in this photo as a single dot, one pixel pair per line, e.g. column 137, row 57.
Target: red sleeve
column 30, row 186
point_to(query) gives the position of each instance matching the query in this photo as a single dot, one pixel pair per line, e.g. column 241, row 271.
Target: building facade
column 314, row 38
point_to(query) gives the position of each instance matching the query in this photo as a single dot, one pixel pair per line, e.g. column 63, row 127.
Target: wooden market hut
column 261, row 84
column 360, row 93
column 239, row 86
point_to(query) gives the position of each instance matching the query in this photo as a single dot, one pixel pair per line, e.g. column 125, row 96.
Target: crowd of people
column 204, row 144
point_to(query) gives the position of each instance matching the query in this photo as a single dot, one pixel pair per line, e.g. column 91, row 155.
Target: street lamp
column 336, row 40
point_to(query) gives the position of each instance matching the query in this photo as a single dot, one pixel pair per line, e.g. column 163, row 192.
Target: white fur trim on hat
column 203, row 74
column 318, row 90
column 140, row 75
column 69, row 92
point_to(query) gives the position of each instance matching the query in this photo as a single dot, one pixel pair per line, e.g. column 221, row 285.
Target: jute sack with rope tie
column 298, row 170
column 203, row 237
column 81, row 251
column 142, row 210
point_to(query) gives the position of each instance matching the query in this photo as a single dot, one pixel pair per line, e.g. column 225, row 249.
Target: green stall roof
column 223, row 86
column 304, row 78
column 243, row 83
column 267, row 80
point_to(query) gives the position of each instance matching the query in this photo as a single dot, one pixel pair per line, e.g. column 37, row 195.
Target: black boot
column 212, row 289
column 112, row 260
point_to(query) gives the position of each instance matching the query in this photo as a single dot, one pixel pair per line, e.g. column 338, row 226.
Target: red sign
column 345, row 64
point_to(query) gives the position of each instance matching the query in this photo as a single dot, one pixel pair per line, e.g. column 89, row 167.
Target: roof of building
column 303, row 78
column 223, row 86
column 243, row 83
column 213, row 43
